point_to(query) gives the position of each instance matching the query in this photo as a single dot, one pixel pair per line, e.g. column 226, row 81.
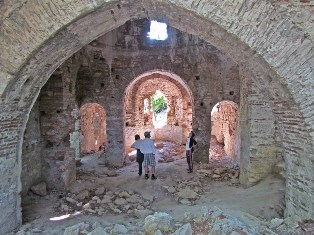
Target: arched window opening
column 159, row 109
column 93, row 128
column 224, row 122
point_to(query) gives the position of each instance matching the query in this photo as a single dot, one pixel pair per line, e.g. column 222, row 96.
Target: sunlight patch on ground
column 132, row 153
column 62, row 217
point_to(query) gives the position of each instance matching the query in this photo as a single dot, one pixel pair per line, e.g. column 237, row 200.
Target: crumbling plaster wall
column 268, row 38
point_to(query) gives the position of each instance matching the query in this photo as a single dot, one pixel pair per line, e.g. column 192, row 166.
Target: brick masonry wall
column 271, row 40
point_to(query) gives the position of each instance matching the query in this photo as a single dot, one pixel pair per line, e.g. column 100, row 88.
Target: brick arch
column 268, row 43
column 136, row 92
column 166, row 75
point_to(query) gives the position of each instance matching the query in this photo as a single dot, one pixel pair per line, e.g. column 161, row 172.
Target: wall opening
column 224, row 127
column 159, row 102
column 158, row 31
column 159, row 109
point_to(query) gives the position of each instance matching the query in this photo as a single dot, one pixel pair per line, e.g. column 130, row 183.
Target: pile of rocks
column 169, row 152
column 186, row 192
column 100, row 201
column 219, row 174
column 208, row 221
column 166, row 156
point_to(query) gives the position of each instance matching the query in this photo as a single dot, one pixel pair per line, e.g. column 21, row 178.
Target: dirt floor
column 216, row 184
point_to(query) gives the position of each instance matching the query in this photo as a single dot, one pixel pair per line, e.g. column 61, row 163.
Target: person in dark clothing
column 139, row 154
column 190, row 142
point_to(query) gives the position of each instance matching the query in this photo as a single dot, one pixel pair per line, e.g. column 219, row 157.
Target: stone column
column 243, row 139
column 202, row 129
column 115, row 128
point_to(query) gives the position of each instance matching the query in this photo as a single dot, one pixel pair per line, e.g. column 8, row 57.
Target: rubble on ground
column 185, row 191
column 170, row 152
column 208, row 221
column 100, row 202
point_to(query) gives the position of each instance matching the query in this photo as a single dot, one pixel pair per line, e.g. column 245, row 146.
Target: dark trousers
column 189, row 159
column 140, row 159
column 140, row 168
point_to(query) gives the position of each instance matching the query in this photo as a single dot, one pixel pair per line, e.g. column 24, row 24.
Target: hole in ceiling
column 158, row 30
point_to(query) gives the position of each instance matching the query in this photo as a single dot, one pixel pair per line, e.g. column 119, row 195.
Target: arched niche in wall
column 224, row 127
column 93, row 128
column 140, row 117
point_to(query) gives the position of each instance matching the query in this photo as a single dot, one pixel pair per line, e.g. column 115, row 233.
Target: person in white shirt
column 148, row 148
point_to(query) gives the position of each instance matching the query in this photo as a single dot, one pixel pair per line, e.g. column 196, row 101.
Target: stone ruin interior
column 71, row 108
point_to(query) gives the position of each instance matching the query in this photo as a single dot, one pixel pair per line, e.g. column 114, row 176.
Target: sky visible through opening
column 158, row 31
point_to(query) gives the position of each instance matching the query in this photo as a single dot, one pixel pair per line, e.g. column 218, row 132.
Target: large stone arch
column 269, row 43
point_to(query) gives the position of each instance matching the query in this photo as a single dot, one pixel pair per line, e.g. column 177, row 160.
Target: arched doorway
column 224, row 124
column 176, row 105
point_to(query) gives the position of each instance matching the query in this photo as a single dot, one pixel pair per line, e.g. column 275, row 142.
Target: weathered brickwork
column 271, row 40
column 93, row 128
